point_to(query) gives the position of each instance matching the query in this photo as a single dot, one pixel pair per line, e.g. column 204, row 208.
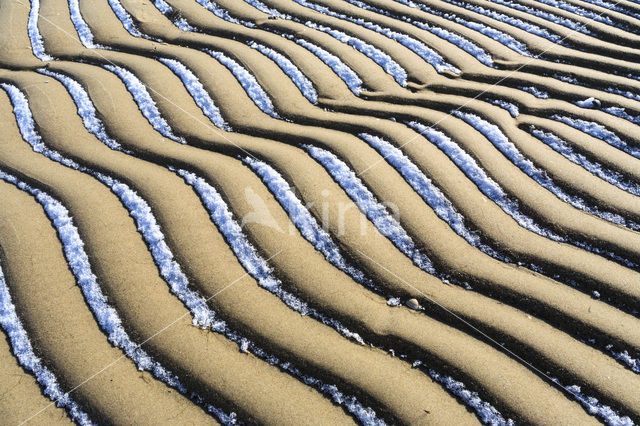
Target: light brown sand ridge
column 522, row 321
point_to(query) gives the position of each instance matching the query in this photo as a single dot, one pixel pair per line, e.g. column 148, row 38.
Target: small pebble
column 412, row 304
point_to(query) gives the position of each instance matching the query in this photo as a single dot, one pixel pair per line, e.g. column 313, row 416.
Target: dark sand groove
column 193, row 160
column 504, row 338
column 286, row 263
column 50, row 299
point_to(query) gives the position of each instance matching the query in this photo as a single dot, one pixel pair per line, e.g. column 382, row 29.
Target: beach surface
column 320, row 212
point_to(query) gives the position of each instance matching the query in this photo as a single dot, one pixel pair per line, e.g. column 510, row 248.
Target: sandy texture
column 527, row 307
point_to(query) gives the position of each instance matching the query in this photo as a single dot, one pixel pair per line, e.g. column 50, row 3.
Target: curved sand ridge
column 219, row 211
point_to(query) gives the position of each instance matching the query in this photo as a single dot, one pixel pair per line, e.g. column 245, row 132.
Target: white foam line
column 430, row 193
column 34, row 33
column 247, row 81
column 378, row 56
column 197, row 92
column 369, row 205
column 501, row 37
column 253, row 262
column 504, row 145
column 304, row 221
column 23, row 351
column 428, row 54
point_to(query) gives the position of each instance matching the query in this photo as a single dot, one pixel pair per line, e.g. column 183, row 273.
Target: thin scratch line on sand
column 163, row 329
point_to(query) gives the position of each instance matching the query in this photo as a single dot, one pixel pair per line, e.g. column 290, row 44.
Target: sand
column 524, row 305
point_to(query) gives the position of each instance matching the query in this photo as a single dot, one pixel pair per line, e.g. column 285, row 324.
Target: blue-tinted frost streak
column 492, row 190
column 83, row 30
column 197, row 92
column 223, row 13
column 599, row 17
column 34, row 34
column 596, row 408
column 369, row 205
column 462, row 42
column 340, row 68
column 513, row 109
column 486, row 30
column 598, row 131
column 500, row 141
column 322, row 241
column 171, row 271
column 22, row 349
column 416, row 46
column 289, row 68
column 379, row 57
column 79, row 262
column 574, row 25
column 127, row 21
column 390, row 66
column 487, row 413
column 144, row 101
column 477, row 175
column 253, row 262
column 615, row 6
column 535, row 91
column 292, row 71
column 428, row 191
column 518, row 23
column 304, row 221
column 622, row 113
column 564, row 148
column 247, row 81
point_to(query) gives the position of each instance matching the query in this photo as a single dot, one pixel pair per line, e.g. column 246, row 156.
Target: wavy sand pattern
column 320, row 211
